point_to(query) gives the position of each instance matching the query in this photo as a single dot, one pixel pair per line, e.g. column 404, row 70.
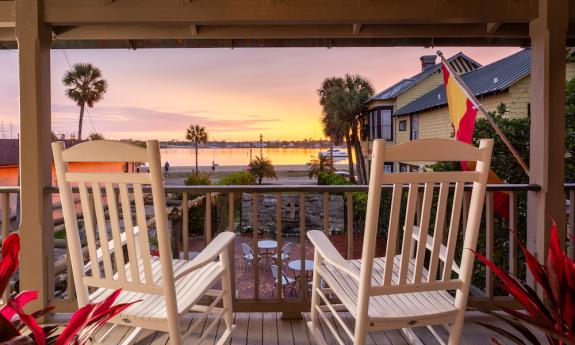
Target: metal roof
column 459, row 62
column 492, row 78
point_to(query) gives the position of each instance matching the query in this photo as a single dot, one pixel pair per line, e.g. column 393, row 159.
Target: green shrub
column 198, row 179
column 238, row 178
column 326, row 178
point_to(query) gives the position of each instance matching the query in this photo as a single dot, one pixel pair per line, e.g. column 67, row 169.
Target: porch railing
column 254, row 285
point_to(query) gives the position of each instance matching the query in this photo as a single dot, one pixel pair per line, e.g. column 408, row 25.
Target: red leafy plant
column 554, row 314
column 17, row 327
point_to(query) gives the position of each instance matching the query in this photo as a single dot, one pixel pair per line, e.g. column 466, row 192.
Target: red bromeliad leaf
column 515, row 289
column 90, row 318
column 7, row 329
column 9, row 262
column 538, row 272
column 555, row 265
column 78, row 321
column 21, row 300
column 30, row 322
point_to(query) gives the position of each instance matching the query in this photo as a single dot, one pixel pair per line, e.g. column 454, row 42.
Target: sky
column 235, row 93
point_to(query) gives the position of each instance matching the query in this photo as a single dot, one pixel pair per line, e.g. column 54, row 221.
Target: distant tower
column 261, row 145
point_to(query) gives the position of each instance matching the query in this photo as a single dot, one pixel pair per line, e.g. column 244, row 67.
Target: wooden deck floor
column 270, row 329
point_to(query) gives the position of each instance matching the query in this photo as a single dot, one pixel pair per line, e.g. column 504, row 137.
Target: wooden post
column 547, row 153
column 37, row 242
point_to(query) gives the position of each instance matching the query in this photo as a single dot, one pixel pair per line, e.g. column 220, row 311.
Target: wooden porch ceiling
column 281, row 23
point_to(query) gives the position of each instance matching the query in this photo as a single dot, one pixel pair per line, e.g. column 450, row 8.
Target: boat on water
column 337, row 153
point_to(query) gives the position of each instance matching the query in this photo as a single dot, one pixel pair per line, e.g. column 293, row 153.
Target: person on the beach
column 166, row 168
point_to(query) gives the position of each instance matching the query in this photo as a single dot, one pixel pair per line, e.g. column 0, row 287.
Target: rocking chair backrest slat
column 118, row 251
column 426, row 255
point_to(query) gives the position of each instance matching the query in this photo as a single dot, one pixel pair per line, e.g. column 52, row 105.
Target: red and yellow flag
column 463, row 113
column 461, row 110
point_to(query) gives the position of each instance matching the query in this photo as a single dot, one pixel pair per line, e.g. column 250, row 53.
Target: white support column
column 36, row 225
column 548, row 39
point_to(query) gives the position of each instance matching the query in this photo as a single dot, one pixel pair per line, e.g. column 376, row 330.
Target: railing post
column 349, row 198
column 5, row 215
column 571, row 229
column 279, row 248
column 36, row 225
column 489, row 243
column 302, row 235
column 512, row 233
column 185, row 228
column 232, row 247
column 208, row 219
column 326, row 213
column 256, row 259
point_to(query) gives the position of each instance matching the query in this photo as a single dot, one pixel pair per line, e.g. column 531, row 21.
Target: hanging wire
column 87, row 108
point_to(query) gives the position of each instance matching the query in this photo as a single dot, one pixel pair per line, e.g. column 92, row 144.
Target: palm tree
column 320, row 165
column 85, row 86
column 197, row 134
column 357, row 92
column 262, row 167
column 332, row 99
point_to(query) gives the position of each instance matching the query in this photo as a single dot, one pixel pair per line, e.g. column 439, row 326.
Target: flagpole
column 478, row 105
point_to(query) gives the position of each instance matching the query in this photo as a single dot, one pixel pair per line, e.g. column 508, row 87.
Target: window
column 388, row 168
column 402, row 125
column 408, row 167
column 380, row 125
column 386, row 131
column 414, row 127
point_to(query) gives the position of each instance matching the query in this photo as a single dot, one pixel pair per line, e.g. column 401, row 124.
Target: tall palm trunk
column 360, row 161
column 81, row 121
column 349, row 158
column 196, row 143
column 360, row 179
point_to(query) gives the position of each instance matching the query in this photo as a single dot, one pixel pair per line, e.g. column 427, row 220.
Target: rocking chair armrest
column 330, row 254
column 210, row 253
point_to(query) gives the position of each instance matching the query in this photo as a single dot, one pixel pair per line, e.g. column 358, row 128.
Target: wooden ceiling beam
column 205, row 12
column 7, row 14
column 95, row 32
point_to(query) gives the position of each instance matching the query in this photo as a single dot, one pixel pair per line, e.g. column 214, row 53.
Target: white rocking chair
column 167, row 287
column 413, row 285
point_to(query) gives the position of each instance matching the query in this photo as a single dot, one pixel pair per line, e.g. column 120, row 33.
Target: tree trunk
column 354, row 141
column 349, row 158
column 80, row 122
column 196, row 157
column 360, row 158
column 361, row 171
column 331, row 150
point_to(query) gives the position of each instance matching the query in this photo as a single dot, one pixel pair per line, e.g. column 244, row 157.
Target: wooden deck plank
column 240, row 335
column 270, row 328
column 255, row 329
column 285, row 332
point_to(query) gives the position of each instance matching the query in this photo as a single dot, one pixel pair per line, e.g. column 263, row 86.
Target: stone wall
column 290, row 211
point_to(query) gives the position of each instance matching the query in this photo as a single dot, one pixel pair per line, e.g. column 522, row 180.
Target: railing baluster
column 208, row 219
column 571, row 229
column 231, row 212
column 256, row 258
column 349, row 199
column 279, row 247
column 69, row 279
column 5, row 215
column 232, row 247
column 489, row 243
column 5, row 231
column 303, row 277
column 326, row 213
column 185, row 228
column 512, row 232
